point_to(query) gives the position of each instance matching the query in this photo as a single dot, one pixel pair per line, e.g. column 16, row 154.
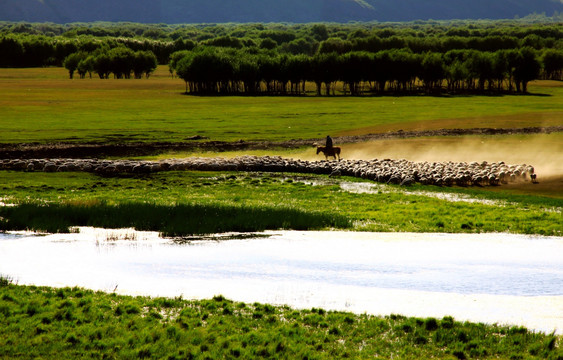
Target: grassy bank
column 170, row 220
column 190, row 202
column 42, row 105
column 41, row 322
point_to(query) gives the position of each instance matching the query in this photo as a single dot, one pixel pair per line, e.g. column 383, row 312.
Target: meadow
column 49, row 323
column 43, row 105
column 185, row 203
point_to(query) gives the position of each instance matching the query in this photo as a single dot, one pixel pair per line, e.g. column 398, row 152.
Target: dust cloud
column 544, row 151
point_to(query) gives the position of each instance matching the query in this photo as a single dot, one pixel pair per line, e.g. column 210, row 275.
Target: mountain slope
column 205, row 11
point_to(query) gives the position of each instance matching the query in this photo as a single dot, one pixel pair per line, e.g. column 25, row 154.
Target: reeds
column 169, row 220
column 5, row 280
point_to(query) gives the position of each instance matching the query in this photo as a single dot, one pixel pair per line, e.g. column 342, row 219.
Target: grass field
column 164, row 202
column 43, row 105
column 47, row 323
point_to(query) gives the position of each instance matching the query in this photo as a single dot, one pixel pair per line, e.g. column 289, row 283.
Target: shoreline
column 316, row 288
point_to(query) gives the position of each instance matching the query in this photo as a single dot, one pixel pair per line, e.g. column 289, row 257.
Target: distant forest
column 429, row 57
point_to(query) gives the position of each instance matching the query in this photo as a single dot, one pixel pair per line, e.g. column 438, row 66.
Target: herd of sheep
column 402, row 171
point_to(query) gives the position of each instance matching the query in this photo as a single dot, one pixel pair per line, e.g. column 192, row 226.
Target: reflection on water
column 480, row 277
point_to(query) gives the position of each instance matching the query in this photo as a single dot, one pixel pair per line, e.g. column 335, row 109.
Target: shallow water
column 493, row 278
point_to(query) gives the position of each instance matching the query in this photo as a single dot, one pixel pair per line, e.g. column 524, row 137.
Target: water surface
column 502, row 278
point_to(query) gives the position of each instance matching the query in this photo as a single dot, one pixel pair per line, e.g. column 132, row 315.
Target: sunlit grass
column 41, row 105
column 47, row 323
column 104, row 202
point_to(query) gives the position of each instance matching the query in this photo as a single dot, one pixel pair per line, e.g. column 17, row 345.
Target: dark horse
column 333, row 151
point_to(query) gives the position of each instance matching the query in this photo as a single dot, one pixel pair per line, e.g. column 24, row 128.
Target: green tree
column 403, row 68
column 247, row 73
column 355, row 68
column 335, row 45
column 144, row 64
column 11, row 52
column 122, row 60
column 85, row 66
column 298, row 68
column 327, row 69
column 102, row 65
column 63, row 49
column 38, row 51
column 183, row 69
column 279, row 36
column 268, row 44
column 456, row 73
column 71, row 62
column 432, row 71
column 500, row 68
column 527, row 68
column 268, row 70
column 225, row 41
column 301, row 46
column 381, row 70
column 482, row 68
column 552, row 61
column 319, row 32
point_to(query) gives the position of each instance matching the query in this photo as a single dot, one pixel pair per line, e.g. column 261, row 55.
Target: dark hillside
column 408, row 10
column 215, row 11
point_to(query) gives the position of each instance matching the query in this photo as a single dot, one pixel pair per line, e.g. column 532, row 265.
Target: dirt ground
column 197, row 143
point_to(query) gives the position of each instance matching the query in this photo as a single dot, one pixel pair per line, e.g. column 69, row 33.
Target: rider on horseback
column 329, row 149
column 328, row 142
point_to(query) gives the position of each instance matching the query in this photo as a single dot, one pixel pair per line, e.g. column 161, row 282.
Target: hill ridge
column 297, row 11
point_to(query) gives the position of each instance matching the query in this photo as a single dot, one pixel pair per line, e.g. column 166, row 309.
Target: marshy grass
column 169, row 220
column 48, row 323
column 121, row 235
column 183, row 203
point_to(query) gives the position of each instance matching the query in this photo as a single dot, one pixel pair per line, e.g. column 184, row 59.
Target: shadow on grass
column 170, row 221
column 376, row 94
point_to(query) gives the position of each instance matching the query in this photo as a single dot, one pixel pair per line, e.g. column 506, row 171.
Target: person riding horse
column 329, row 149
column 328, row 142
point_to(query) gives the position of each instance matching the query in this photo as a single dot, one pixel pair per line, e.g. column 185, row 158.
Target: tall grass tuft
column 170, row 220
column 5, row 280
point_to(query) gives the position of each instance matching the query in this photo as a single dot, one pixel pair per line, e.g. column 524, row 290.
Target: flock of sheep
column 402, row 171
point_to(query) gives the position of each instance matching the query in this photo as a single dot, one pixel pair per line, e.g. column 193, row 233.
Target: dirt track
column 97, row 150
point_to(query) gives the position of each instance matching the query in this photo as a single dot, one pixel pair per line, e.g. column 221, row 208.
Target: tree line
column 29, row 45
column 120, row 61
column 231, row 71
column 39, row 50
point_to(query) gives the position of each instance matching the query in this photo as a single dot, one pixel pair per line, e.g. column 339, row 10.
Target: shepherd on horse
column 329, row 150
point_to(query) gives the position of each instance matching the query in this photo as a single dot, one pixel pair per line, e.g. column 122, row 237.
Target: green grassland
column 183, row 203
column 43, row 105
column 47, row 323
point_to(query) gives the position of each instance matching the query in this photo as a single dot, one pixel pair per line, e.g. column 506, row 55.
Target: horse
column 333, row 151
